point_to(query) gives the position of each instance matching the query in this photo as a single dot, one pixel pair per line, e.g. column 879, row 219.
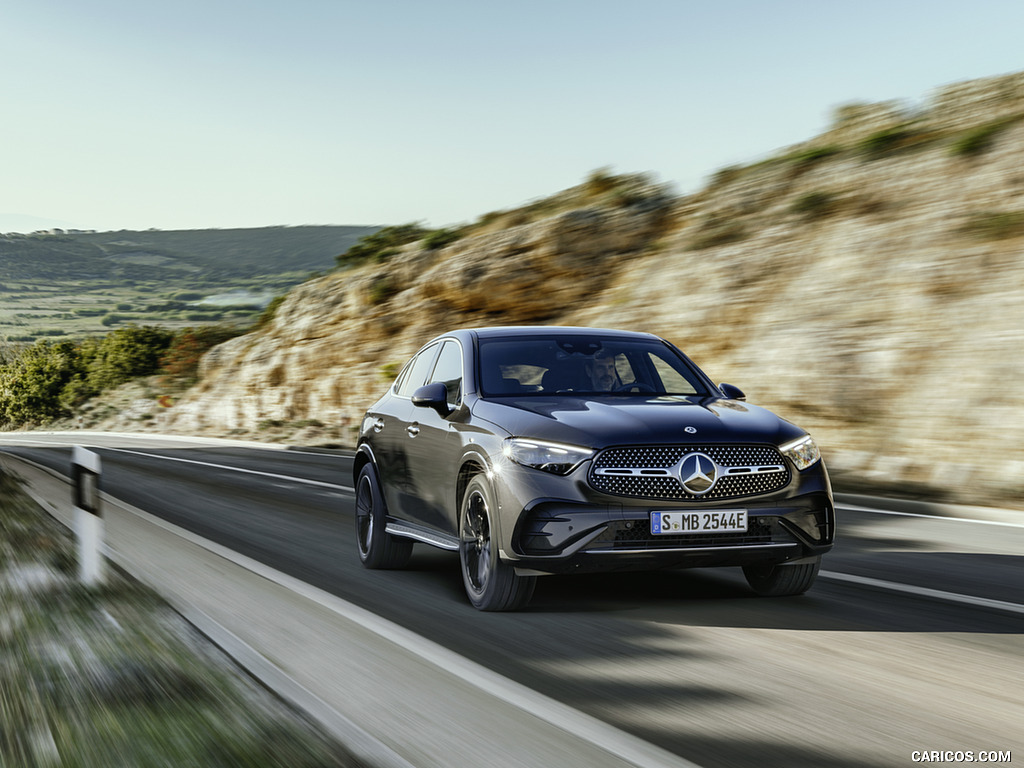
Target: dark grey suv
column 542, row 450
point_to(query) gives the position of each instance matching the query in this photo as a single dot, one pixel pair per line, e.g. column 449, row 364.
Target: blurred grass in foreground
column 114, row 677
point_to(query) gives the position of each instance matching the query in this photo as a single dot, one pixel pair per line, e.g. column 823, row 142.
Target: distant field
column 81, row 308
column 75, row 285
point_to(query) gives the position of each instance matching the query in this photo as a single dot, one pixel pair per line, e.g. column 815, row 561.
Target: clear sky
column 131, row 114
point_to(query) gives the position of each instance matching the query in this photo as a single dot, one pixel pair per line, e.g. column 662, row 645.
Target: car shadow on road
column 721, row 596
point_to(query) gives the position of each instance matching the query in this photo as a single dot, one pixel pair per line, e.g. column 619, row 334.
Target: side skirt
column 425, row 535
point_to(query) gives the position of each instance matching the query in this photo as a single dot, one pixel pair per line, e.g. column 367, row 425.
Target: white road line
column 953, row 597
column 632, row 749
column 876, row 511
column 289, row 478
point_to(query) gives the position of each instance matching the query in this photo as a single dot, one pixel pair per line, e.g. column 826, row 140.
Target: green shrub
column 981, row 139
column 813, row 205
column 383, row 255
column 994, row 225
column 815, row 154
column 439, row 238
column 381, row 289
column 878, row 144
column 896, row 139
column 385, row 241
column 720, row 233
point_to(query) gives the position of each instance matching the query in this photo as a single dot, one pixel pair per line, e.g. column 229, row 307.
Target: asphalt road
column 909, row 642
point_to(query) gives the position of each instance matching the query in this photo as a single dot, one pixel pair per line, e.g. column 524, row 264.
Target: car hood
column 616, row 420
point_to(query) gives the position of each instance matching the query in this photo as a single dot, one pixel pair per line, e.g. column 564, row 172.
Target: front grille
column 653, row 472
column 637, row 534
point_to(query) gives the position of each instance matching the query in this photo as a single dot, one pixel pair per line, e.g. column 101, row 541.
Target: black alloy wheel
column 377, row 548
column 491, row 584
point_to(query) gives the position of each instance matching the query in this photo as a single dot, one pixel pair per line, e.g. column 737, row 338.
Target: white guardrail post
column 85, row 476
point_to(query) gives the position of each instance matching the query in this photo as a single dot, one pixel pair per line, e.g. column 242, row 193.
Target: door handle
column 413, row 430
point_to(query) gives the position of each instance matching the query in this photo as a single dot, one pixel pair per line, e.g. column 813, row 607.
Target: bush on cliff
column 381, row 244
column 180, row 361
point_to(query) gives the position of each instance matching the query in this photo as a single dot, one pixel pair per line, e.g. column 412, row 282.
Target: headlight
column 555, row 458
column 803, row 452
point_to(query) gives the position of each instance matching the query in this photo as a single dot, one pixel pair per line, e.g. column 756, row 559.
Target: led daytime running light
column 555, row 458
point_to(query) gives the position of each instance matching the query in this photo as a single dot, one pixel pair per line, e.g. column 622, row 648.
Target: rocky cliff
column 866, row 284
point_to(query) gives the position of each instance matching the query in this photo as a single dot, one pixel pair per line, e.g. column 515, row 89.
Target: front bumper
column 582, row 531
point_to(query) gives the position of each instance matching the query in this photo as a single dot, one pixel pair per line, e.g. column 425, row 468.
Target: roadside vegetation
column 112, row 676
column 49, row 379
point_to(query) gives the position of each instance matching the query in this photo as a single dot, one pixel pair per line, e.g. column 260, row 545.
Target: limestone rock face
column 867, row 284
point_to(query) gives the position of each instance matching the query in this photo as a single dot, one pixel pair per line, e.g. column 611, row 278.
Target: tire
column 491, row 584
column 378, row 549
column 782, row 580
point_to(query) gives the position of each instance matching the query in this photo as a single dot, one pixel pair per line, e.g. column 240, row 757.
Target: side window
column 449, row 370
column 415, row 374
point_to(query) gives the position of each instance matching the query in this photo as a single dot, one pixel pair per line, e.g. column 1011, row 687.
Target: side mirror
column 433, row 396
column 731, row 392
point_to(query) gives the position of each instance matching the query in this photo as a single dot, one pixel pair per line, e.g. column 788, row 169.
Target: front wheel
column 782, row 580
column 378, row 549
column 491, row 584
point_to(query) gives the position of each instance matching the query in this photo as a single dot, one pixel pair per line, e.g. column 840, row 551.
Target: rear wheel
column 782, row 580
column 378, row 549
column 491, row 584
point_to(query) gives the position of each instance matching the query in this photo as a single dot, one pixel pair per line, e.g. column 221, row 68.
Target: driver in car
column 603, row 375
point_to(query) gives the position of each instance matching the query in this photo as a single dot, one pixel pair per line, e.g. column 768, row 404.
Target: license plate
column 695, row 521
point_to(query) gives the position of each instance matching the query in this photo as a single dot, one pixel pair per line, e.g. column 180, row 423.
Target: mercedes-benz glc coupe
column 545, row 450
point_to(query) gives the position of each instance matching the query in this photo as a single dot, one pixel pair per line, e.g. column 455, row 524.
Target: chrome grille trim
column 653, row 471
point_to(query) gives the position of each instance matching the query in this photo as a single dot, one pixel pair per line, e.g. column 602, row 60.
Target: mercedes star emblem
column 699, row 473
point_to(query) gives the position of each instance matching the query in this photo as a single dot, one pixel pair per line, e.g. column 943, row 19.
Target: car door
column 392, row 419
column 434, row 445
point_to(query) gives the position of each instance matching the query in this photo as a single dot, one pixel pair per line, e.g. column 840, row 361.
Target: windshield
column 574, row 364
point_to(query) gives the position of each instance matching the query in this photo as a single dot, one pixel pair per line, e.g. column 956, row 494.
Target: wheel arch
column 364, row 455
column 471, row 466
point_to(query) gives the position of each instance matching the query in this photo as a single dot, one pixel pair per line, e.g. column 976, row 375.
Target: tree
column 126, row 353
column 31, row 384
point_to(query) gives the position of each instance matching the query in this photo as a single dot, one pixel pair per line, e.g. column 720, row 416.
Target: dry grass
column 114, row 677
